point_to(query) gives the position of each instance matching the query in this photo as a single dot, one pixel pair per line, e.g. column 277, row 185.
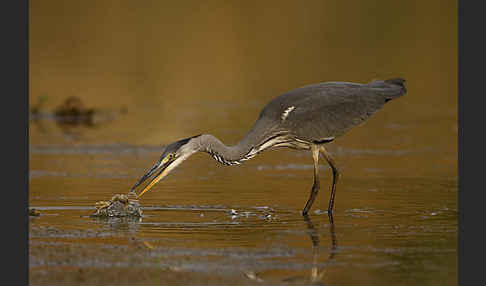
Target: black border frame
column 14, row 22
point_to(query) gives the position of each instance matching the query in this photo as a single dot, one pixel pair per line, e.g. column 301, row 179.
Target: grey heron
column 303, row 119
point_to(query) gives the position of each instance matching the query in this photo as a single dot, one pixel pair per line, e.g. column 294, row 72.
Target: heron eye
column 171, row 156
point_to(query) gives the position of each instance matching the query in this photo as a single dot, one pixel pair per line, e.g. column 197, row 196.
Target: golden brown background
column 209, row 66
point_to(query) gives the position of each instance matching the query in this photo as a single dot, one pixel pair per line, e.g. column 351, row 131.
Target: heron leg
column 316, row 185
column 335, row 177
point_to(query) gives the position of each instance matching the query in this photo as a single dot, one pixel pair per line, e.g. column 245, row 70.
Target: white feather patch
column 286, row 113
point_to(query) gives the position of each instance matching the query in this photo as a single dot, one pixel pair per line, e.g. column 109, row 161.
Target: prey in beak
column 173, row 155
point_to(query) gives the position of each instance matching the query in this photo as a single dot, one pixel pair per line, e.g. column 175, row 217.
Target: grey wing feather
column 328, row 110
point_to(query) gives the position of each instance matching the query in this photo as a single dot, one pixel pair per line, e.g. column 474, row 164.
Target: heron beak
column 160, row 166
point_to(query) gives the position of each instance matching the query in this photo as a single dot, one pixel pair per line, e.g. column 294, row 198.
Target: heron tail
column 390, row 88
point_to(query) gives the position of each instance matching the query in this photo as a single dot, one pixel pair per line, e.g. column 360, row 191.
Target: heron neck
column 222, row 153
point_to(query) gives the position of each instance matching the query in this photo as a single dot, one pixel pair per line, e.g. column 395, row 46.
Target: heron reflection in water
column 316, row 276
column 303, row 119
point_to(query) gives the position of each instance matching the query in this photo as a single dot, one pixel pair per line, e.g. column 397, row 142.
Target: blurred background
column 176, row 69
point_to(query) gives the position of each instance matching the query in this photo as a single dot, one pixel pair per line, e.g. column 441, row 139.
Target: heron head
column 172, row 156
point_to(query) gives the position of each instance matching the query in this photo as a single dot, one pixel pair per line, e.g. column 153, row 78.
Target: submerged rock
column 119, row 206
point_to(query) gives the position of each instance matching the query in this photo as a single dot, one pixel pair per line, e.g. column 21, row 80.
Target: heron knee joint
column 336, row 172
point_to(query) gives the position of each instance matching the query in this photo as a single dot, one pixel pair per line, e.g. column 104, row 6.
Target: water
column 246, row 220
column 159, row 73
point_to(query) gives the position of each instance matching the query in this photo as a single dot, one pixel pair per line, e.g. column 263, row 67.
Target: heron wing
column 324, row 110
